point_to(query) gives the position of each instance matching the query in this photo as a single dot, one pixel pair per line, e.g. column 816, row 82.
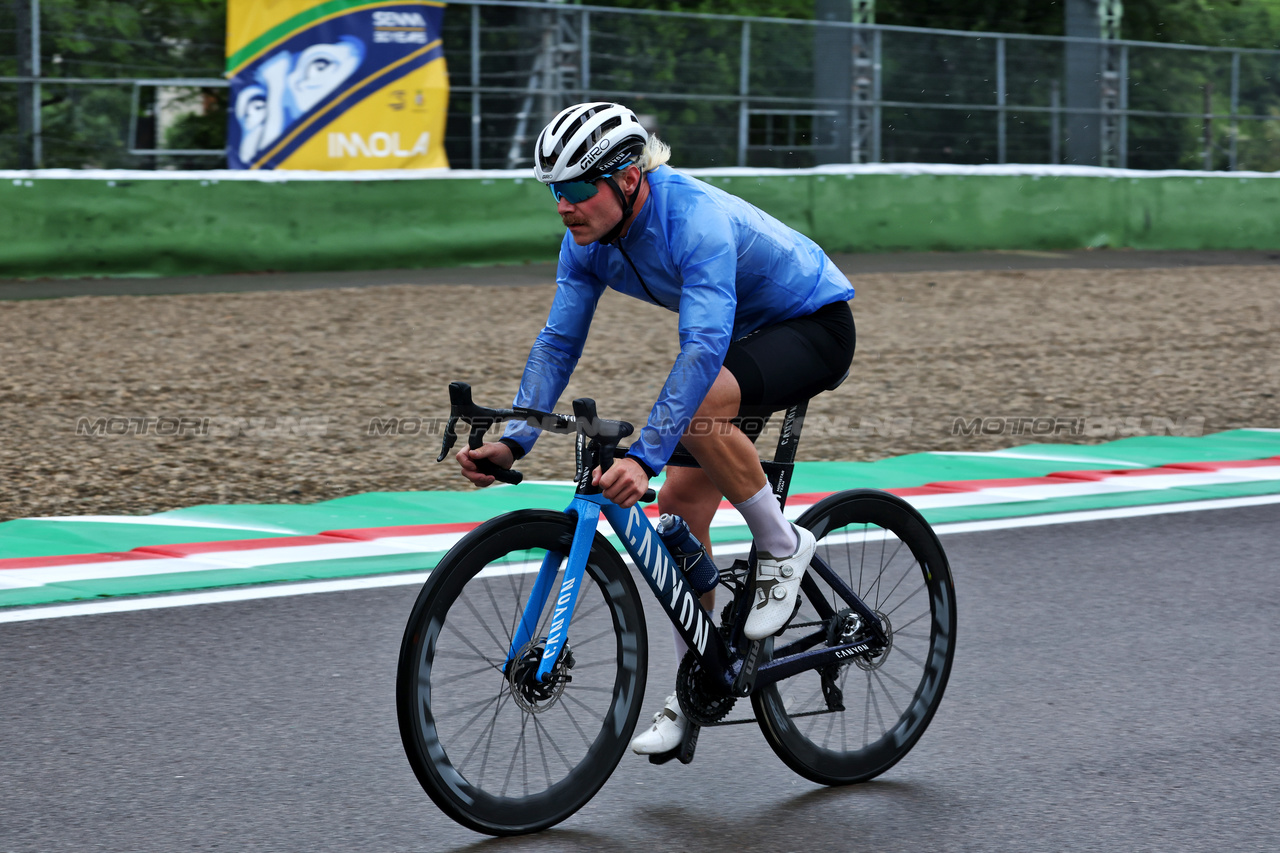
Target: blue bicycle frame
column 680, row 602
column 737, row 663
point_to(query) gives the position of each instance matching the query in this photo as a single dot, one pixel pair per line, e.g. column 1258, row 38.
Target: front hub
column 529, row 693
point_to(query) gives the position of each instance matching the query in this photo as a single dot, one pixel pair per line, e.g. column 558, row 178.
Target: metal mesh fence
column 147, row 92
column 91, row 66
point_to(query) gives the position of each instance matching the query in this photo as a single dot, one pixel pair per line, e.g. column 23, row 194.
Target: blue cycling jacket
column 725, row 266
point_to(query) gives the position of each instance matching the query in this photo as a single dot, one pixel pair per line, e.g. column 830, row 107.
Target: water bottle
column 699, row 570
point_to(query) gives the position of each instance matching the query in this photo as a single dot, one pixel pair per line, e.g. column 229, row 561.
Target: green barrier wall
column 59, row 226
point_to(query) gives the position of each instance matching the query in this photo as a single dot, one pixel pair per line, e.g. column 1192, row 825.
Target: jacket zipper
column 640, row 278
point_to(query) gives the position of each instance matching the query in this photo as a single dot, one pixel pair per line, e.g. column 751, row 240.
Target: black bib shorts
column 787, row 363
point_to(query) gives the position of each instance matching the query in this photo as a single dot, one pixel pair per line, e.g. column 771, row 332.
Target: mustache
column 572, row 220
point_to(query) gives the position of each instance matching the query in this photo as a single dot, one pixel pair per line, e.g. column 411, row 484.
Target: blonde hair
column 655, row 153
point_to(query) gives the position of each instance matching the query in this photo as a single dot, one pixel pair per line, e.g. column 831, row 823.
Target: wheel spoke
column 517, row 753
column 915, row 660
column 607, row 661
column 467, row 642
column 605, row 632
column 476, row 704
column 912, row 595
column 883, row 674
column 875, row 673
column 574, row 720
column 518, row 596
column 884, row 565
column 485, row 735
column 897, row 629
column 906, row 574
column 489, row 666
column 538, row 731
column 876, row 705
column 484, row 624
column 501, row 617
column 862, row 560
column 580, row 688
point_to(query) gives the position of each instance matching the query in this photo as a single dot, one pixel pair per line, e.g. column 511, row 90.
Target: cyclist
column 764, row 322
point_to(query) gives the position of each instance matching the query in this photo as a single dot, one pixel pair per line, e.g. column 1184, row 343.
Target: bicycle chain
column 699, row 700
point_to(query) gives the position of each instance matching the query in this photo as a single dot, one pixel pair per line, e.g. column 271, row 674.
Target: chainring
column 699, row 698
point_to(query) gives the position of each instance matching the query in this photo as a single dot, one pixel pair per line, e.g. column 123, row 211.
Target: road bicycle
column 523, row 664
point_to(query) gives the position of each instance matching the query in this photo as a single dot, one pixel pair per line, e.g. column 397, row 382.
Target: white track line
column 160, row 521
column 128, row 605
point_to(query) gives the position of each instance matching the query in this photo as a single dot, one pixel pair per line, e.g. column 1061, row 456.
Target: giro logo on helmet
column 594, row 154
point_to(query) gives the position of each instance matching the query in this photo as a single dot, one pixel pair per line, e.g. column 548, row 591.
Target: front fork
column 588, row 517
column 653, row 562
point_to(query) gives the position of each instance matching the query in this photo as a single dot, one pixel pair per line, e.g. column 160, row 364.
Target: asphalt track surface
column 1113, row 689
column 545, row 273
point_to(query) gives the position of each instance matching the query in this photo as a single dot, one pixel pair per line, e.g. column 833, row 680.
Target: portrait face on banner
column 336, row 85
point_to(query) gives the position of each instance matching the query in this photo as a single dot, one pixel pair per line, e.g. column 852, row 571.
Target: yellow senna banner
column 336, row 84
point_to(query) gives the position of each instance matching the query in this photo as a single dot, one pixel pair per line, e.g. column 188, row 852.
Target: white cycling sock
column 772, row 532
column 681, row 645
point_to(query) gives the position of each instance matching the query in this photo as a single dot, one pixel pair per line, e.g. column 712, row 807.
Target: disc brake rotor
column 529, row 693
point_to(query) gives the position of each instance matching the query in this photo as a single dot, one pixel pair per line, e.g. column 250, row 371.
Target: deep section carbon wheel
column 851, row 721
column 498, row 750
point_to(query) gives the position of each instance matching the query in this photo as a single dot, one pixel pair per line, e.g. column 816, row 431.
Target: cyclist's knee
column 688, row 492
column 723, row 399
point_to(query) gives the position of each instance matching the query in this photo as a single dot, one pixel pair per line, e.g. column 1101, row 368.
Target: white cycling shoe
column 665, row 734
column 777, row 583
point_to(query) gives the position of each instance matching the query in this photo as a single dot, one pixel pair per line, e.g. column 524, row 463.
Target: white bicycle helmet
column 588, row 141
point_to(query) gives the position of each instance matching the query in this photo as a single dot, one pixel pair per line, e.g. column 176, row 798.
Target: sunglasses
column 574, row 192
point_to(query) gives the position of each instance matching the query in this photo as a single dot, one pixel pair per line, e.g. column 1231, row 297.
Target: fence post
column 876, row 94
column 584, row 55
column 1233, row 154
column 475, row 87
column 744, row 73
column 1208, row 126
column 37, row 126
column 1055, row 122
column 1122, row 152
column 1001, row 148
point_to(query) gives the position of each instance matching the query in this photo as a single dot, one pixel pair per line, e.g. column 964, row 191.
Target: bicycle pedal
column 664, row 757
column 683, row 752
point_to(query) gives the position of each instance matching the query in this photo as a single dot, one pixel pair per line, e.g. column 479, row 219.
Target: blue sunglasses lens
column 574, row 191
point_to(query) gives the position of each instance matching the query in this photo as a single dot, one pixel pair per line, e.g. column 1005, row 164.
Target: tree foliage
column 87, row 125
column 1220, row 23
column 960, row 72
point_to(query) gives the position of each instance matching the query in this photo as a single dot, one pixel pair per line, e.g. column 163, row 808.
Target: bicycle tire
column 887, row 553
column 489, row 762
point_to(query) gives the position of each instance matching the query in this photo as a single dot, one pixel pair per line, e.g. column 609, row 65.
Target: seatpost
column 779, row 470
